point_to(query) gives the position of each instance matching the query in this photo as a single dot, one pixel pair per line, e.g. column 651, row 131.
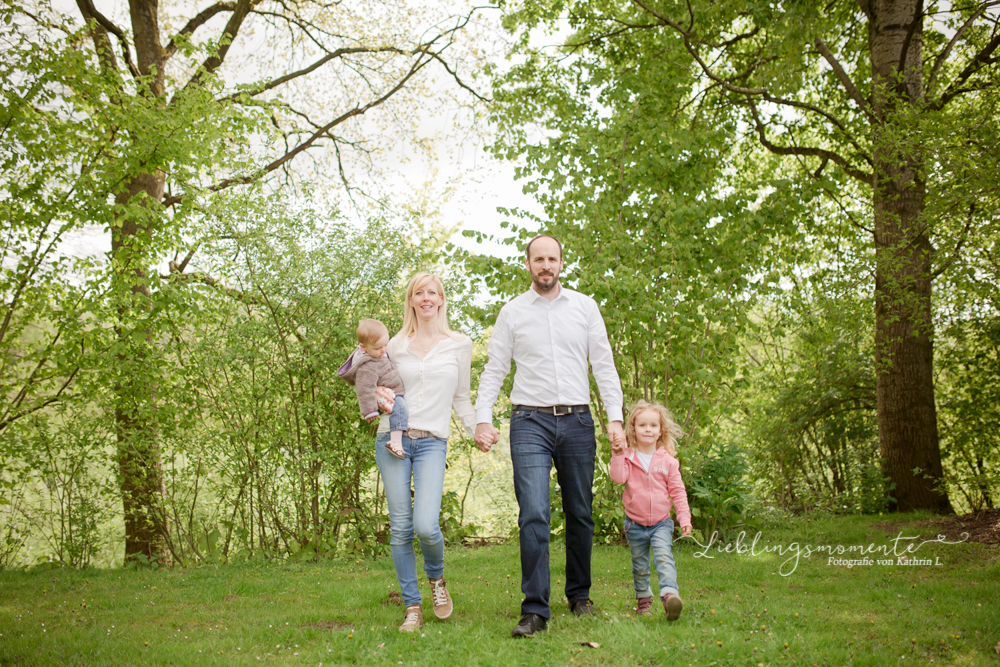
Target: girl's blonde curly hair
column 670, row 431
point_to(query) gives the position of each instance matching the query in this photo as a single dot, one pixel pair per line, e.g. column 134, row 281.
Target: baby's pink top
column 648, row 496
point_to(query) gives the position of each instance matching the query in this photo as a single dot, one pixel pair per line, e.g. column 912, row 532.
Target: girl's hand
column 686, row 531
column 386, row 398
column 617, row 446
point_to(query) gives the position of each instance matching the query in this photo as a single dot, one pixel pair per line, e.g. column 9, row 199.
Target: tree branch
column 339, row 53
column 213, row 62
column 201, row 19
column 89, row 12
column 955, row 88
column 843, row 77
column 958, row 246
column 419, row 64
column 918, row 18
column 830, row 117
column 836, row 158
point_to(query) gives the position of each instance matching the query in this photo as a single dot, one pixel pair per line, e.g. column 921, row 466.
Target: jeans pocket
column 586, row 419
column 520, row 415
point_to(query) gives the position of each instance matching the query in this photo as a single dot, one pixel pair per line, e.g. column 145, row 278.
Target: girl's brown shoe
column 672, row 605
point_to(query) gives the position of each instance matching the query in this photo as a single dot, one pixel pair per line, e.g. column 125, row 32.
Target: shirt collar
column 535, row 296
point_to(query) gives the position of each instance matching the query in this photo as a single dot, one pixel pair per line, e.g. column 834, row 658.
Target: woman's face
column 427, row 301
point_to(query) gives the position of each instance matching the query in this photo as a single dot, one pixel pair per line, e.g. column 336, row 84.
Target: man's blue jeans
column 659, row 538
column 418, row 515
column 537, row 440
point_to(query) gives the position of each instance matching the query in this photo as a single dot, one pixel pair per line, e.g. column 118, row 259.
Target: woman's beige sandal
column 413, row 619
column 442, row 601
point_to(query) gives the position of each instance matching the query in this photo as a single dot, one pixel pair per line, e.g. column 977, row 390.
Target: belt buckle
column 562, row 410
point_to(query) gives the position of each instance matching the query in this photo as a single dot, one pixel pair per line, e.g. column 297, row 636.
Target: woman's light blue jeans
column 418, row 515
column 659, row 538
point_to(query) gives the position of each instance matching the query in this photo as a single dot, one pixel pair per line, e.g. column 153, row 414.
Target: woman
column 435, row 364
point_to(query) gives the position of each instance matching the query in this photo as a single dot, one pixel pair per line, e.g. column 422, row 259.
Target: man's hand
column 686, row 531
column 386, row 399
column 616, row 433
column 617, row 444
column 486, row 436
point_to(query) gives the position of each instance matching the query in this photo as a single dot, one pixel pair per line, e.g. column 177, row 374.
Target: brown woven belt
column 557, row 410
column 415, row 433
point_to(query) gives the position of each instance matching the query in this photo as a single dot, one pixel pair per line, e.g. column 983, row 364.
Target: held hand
column 617, row 446
column 616, row 433
column 386, row 398
column 486, row 436
column 371, row 419
column 686, row 531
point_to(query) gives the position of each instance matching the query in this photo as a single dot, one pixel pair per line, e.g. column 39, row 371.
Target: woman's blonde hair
column 410, row 314
column 670, row 431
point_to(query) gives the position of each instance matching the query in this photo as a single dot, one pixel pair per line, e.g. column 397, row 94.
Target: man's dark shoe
column 582, row 607
column 529, row 625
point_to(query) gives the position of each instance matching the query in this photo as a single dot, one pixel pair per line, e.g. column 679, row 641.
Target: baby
column 369, row 367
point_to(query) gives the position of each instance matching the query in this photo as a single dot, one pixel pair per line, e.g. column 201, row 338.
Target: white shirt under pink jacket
column 648, row 496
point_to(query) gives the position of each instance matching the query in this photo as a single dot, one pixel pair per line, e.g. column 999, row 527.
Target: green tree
column 887, row 109
column 134, row 129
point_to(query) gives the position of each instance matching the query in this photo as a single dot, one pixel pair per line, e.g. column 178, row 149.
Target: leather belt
column 415, row 433
column 557, row 410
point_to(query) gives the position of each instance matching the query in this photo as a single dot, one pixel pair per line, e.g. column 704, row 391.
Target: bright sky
column 480, row 183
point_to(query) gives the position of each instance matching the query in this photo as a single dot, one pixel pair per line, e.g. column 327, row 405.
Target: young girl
column 650, row 471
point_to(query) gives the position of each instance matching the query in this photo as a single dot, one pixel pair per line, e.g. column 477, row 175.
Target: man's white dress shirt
column 435, row 384
column 551, row 342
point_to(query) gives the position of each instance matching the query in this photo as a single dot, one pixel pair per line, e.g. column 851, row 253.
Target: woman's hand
column 486, row 436
column 386, row 399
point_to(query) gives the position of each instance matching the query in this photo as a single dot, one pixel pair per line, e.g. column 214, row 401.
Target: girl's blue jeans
column 417, row 516
column 658, row 538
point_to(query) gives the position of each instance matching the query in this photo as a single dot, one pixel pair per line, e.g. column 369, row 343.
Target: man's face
column 544, row 264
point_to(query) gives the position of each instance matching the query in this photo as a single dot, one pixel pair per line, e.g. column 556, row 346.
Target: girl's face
column 427, row 300
column 647, row 428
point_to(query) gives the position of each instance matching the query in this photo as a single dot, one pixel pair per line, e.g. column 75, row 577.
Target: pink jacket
column 647, row 496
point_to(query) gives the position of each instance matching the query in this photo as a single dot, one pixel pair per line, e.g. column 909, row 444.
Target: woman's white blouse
column 435, row 384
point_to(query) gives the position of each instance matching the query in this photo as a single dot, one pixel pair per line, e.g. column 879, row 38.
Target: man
column 550, row 332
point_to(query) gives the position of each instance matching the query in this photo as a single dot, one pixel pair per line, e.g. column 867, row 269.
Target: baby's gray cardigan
column 366, row 373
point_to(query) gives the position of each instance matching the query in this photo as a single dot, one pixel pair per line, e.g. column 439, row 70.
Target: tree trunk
column 139, row 465
column 907, row 417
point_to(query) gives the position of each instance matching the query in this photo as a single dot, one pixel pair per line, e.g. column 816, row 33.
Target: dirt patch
column 479, row 542
column 982, row 526
column 393, row 598
column 327, row 625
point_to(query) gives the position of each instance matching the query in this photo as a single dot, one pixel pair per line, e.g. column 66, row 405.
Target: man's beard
column 551, row 278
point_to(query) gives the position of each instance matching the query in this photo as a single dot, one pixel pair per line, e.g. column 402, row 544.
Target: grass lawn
column 739, row 609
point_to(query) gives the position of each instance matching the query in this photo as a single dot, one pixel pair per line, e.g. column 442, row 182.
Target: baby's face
column 377, row 351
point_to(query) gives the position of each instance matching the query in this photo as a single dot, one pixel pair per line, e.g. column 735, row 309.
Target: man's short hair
column 370, row 331
column 542, row 236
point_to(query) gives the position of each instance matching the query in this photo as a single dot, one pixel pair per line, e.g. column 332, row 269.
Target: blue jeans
column 418, row 515
column 537, row 440
column 400, row 415
column 660, row 538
